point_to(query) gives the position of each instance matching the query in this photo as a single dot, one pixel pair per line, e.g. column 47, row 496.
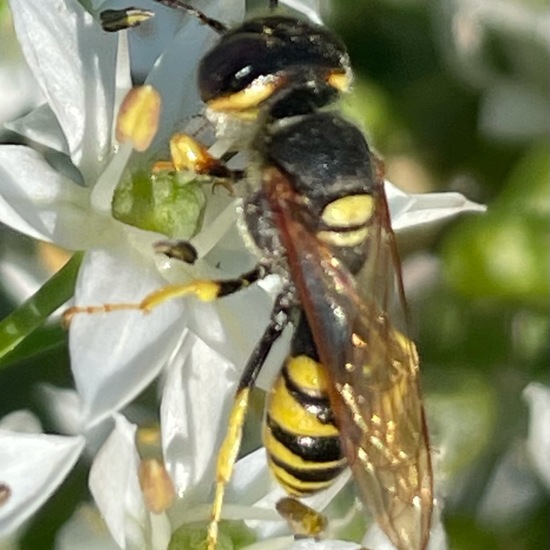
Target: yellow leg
column 203, row 290
column 232, row 441
column 226, row 461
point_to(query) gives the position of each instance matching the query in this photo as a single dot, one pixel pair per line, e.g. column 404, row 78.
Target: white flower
column 32, row 465
column 70, row 206
column 513, row 103
column 189, row 455
column 514, row 490
column 81, row 87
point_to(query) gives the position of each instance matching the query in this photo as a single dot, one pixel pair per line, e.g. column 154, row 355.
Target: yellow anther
column 156, row 485
column 188, row 154
column 303, row 520
column 138, row 117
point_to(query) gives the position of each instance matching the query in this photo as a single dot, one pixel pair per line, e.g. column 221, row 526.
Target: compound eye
column 233, row 65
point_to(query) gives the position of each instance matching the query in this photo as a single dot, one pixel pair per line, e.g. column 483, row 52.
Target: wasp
column 315, row 213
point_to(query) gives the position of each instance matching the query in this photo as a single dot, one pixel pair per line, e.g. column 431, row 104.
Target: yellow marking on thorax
column 348, row 211
column 340, row 81
column 250, row 97
column 344, row 238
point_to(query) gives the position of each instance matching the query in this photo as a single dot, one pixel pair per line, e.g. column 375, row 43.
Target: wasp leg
column 204, row 290
column 214, row 24
column 232, row 441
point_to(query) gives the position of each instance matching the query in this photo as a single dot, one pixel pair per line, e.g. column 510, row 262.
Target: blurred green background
column 453, row 94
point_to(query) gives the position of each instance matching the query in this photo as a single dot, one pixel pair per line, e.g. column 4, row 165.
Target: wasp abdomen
column 302, row 442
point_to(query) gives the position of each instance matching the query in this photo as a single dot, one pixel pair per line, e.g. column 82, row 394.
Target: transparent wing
column 373, row 367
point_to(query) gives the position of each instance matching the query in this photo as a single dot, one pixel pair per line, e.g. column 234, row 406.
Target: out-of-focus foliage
column 505, row 254
column 454, row 95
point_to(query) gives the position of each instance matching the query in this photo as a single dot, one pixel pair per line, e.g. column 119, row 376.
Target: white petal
column 64, row 408
column 253, row 484
column 538, row 398
column 85, row 530
column 197, row 395
column 147, row 44
column 19, row 89
column 251, row 480
column 65, row 411
column 21, row 421
column 179, row 92
column 271, row 493
column 513, row 111
column 73, row 61
column 233, row 325
column 419, row 210
column 438, row 537
column 22, row 275
column 41, row 126
column 175, row 73
column 115, row 487
column 32, row 466
column 37, row 201
column 377, row 540
column 230, row 11
column 114, row 356
column 513, row 491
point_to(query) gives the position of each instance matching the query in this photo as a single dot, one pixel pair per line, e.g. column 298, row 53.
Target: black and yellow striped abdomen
column 302, row 442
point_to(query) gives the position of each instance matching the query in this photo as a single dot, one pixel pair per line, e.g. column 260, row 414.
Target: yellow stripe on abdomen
column 300, row 437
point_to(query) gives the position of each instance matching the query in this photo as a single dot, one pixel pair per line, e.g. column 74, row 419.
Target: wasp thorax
column 326, row 157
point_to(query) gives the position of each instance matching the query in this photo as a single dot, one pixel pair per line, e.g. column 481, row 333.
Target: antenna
column 214, row 24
